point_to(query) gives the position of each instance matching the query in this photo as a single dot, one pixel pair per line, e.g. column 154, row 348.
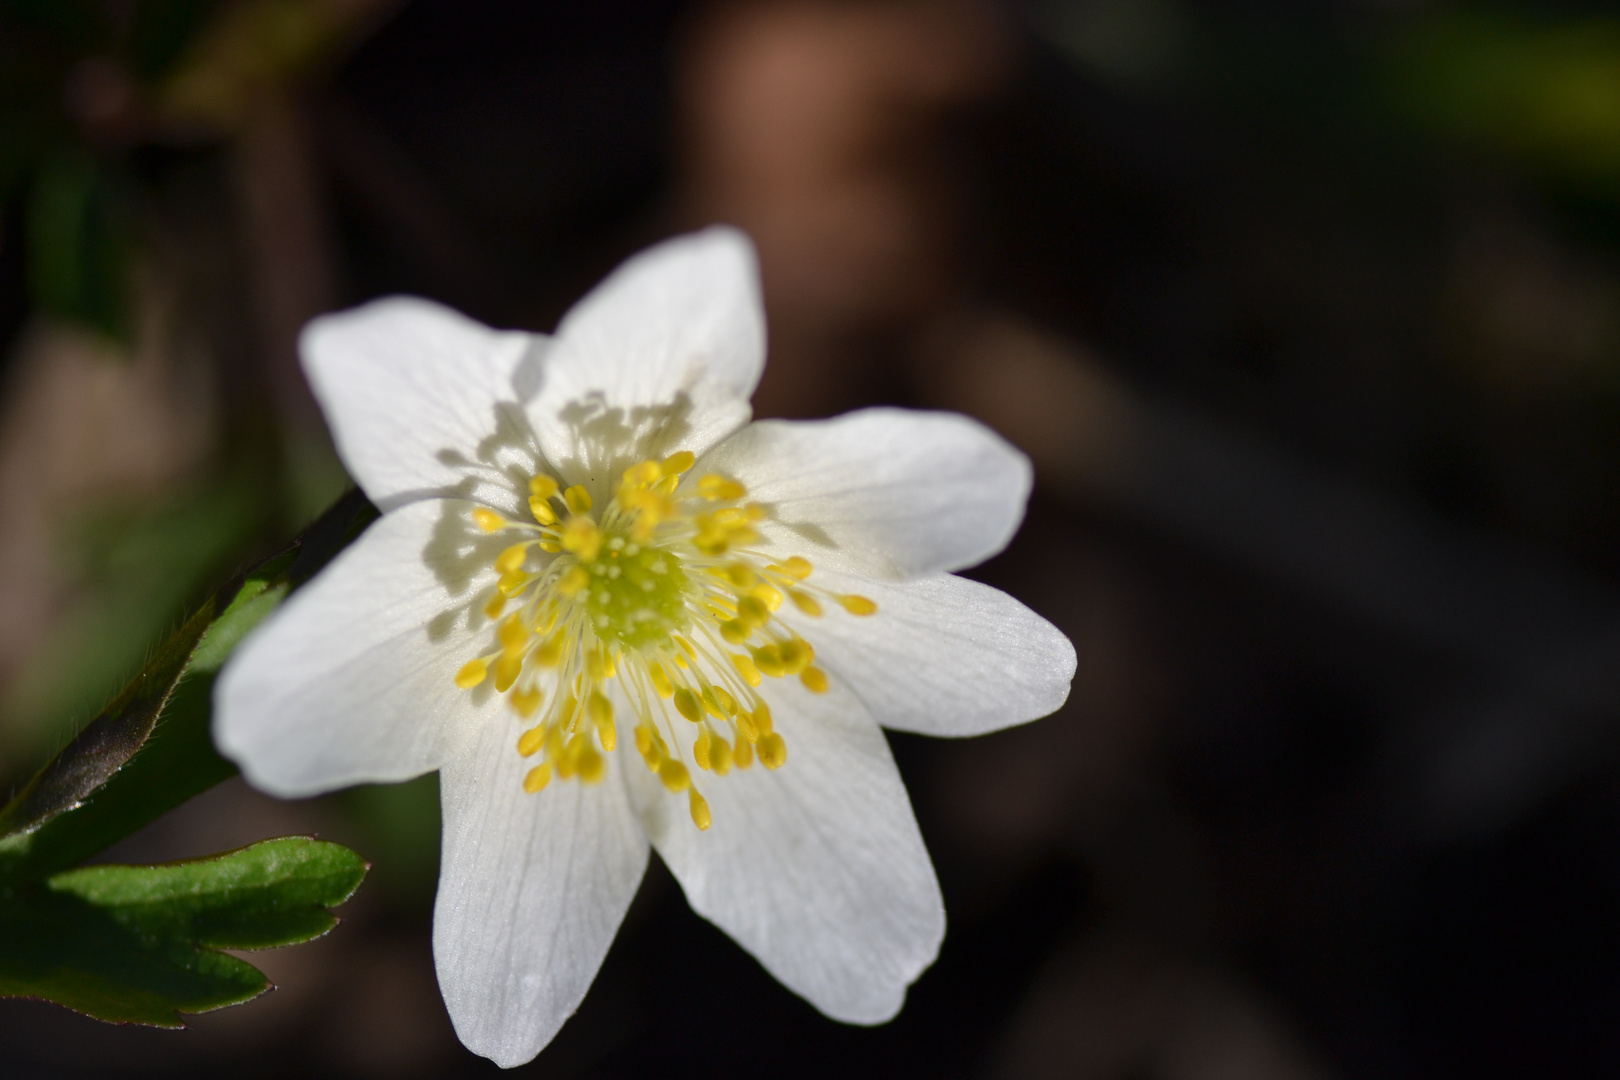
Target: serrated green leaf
column 136, row 944
column 272, row 893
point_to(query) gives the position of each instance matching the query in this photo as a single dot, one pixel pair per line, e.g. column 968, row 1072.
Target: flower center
column 637, row 595
column 660, row 601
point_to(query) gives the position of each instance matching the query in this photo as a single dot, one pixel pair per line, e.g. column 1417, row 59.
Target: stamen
column 663, row 591
column 700, row 810
column 472, row 673
column 537, row 778
column 857, row 605
column 772, row 751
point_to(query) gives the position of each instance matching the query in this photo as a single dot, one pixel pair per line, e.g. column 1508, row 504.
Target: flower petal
column 661, row 356
column 817, row 868
column 887, row 493
column 943, row 655
column 352, row 680
column 420, row 399
column 532, row 889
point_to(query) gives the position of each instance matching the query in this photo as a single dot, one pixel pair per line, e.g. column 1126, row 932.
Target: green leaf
column 137, row 944
column 151, row 750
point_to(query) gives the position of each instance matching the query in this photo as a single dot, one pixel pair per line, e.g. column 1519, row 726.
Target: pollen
column 646, row 598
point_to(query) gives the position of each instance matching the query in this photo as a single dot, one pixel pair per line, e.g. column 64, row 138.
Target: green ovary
column 637, row 594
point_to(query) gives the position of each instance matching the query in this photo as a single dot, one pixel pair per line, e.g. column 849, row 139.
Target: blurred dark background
column 1307, row 312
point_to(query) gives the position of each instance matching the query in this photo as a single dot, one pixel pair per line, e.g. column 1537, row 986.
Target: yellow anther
column 796, row 655
column 700, row 810
column 680, row 662
column 769, row 661
column 746, row 668
column 797, row 568
column 717, row 488
column 595, row 666
column 601, row 710
column 496, row 605
column 772, row 751
column 740, row 574
column 711, row 539
column 642, row 474
column 711, row 704
column 700, row 751
column 686, row 704
column 537, row 778
column 542, row 486
column 720, row 756
column 857, row 605
column 487, row 519
column 814, row 679
column 678, row 463
column 472, row 673
column 542, row 511
column 728, row 704
column 549, row 654
column 805, row 603
column 512, row 582
column 578, row 499
column 549, row 548
column 762, row 719
column 554, row 742
column 743, row 754
column 582, row 537
column 513, row 635
column 767, row 595
column 735, row 631
column 747, row 727
column 575, row 581
column 660, row 679
column 673, row 774
column 752, row 611
column 506, row 671
column 512, row 558
column 646, row 744
column 591, row 765
column 526, row 702
column 532, row 740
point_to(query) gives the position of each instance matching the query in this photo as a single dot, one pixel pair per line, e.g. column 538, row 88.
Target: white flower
column 611, row 611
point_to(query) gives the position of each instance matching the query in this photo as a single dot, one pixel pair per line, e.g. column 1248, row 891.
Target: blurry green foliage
column 399, row 827
column 139, row 568
column 80, row 244
column 1546, row 92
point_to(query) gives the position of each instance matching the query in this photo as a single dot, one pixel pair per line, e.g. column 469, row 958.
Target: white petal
column 943, row 655
column 882, row 492
column 817, row 868
column 532, row 889
column 352, row 680
column 662, row 356
column 420, row 399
